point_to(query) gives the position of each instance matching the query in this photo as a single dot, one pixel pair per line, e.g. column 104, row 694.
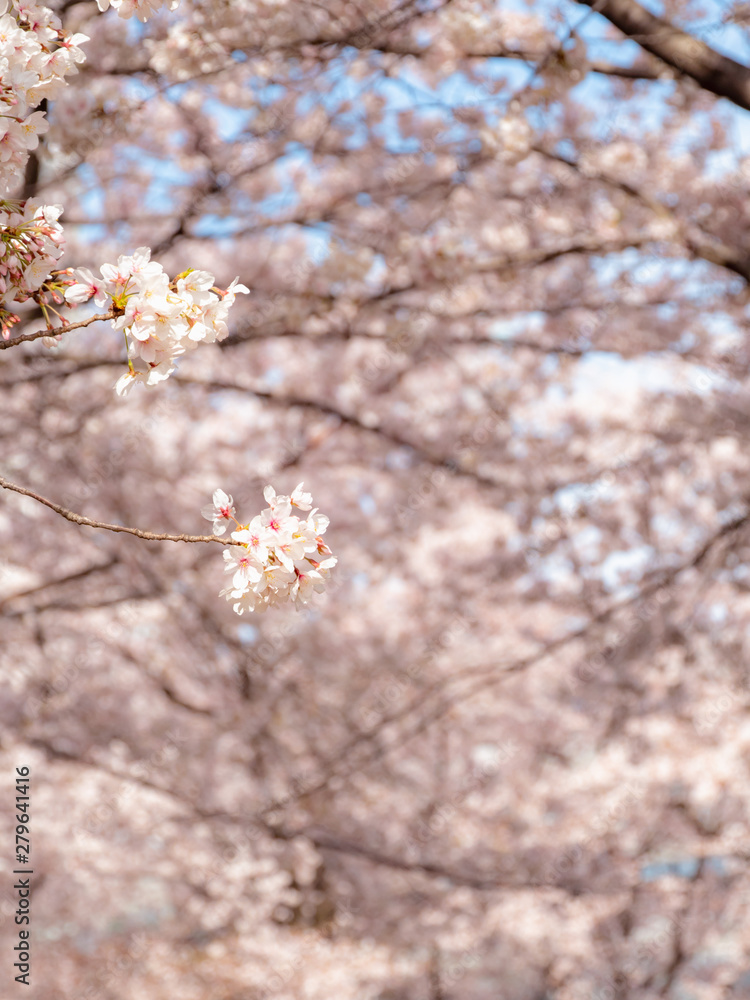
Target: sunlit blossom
column 281, row 557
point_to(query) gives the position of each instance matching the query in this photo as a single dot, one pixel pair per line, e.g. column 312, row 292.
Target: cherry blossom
column 220, row 510
column 161, row 320
column 30, row 245
column 35, row 58
column 86, row 287
column 282, row 558
column 298, row 498
column 143, row 9
column 499, row 270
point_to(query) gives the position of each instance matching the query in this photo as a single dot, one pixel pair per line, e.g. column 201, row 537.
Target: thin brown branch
column 88, row 522
column 58, row 330
column 329, row 842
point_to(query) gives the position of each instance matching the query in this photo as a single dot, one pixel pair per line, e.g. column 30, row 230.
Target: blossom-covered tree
column 490, row 263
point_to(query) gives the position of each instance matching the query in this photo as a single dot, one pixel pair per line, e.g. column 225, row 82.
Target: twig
column 4, row 344
column 150, row 536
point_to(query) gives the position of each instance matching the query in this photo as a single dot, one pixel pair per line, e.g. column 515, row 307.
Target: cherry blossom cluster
column 30, row 244
column 161, row 319
column 281, row 557
column 35, row 58
column 143, row 9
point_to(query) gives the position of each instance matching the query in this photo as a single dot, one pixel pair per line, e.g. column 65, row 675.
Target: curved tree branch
column 717, row 73
column 70, row 515
column 58, row 330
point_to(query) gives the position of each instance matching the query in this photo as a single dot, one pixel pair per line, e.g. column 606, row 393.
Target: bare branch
column 713, row 71
column 27, row 337
column 150, row 536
